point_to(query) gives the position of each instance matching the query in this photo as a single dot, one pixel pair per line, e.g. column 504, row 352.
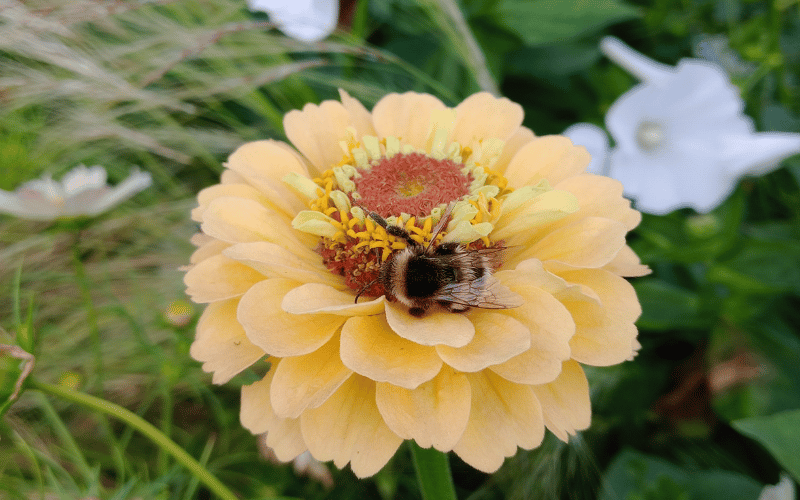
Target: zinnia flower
column 287, row 244
column 82, row 192
column 682, row 139
column 304, row 20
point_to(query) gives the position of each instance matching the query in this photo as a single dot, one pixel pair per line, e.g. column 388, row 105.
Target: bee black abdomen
column 424, row 277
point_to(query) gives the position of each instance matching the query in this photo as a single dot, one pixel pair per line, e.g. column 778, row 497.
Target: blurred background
column 710, row 409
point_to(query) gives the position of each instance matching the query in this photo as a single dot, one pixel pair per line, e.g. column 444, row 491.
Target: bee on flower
column 386, row 207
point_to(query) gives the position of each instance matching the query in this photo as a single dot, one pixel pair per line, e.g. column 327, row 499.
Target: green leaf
column 636, row 475
column 761, row 267
column 778, row 433
column 548, row 21
column 666, row 306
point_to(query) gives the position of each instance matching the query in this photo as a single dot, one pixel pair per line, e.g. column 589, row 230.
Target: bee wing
column 485, row 292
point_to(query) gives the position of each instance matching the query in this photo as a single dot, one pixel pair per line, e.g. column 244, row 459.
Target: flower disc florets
column 290, row 238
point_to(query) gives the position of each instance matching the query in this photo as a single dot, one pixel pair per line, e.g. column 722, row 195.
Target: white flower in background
column 716, row 49
column 681, row 137
column 304, row 20
column 784, row 490
column 82, row 191
column 595, row 140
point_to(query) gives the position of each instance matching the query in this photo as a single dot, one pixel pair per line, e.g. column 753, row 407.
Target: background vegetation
column 708, row 410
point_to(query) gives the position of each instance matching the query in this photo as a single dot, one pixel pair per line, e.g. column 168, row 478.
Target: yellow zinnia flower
column 288, row 242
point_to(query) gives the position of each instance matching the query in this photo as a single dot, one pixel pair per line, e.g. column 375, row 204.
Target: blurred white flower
column 715, row 49
column 682, row 139
column 595, row 140
column 784, row 490
column 304, row 20
column 81, row 191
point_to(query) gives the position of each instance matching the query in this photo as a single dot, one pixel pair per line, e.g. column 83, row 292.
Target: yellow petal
column 589, row 242
column 219, row 278
column 551, row 327
column 498, row 338
column 434, row 414
column 348, row 428
column 359, row 116
column 503, row 415
column 263, row 164
column 565, row 401
column 209, row 194
column 307, row 381
column 550, row 157
column 406, row 116
column 521, row 137
column 274, row 261
column 520, row 225
column 280, row 333
column 483, row 116
column 605, row 333
column 436, row 327
column 626, row 263
column 231, row 177
column 315, row 298
column 316, row 131
column 221, row 344
column 598, row 196
column 370, row 348
column 239, row 220
column 283, row 434
column 208, row 249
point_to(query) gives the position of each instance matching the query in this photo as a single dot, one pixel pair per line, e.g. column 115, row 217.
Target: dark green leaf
column 780, row 434
column 547, row 21
column 666, row 306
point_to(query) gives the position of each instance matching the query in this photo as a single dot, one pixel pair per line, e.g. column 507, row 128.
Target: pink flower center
column 412, row 183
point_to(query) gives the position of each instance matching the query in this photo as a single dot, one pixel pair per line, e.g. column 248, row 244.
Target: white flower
column 82, row 191
column 304, row 20
column 595, row 140
column 681, row 137
column 784, row 490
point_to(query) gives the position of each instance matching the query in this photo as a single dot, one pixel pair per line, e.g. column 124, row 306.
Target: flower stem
column 143, row 426
column 433, row 473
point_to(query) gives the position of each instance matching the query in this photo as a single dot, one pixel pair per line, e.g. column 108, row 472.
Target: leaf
column 666, row 306
column 636, row 475
column 547, row 21
column 761, row 267
column 778, row 433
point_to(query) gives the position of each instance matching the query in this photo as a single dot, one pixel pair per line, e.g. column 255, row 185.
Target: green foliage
column 779, row 433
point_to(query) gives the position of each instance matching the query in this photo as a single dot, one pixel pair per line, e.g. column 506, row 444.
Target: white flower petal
column 595, row 140
column 637, row 64
column 304, row 20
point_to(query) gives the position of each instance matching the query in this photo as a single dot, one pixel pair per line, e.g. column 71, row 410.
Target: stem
column 143, row 426
column 433, row 473
column 91, row 313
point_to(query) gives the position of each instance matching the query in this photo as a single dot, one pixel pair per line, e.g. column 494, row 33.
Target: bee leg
column 417, row 312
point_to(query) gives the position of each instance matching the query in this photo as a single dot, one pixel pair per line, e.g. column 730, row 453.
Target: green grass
column 175, row 86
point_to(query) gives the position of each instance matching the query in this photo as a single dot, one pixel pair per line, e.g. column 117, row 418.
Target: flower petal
column 359, row 116
column 627, row 263
column 302, row 382
column 589, row 242
column 239, row 220
column 595, row 140
column 483, row 116
column 219, row 278
column 637, row 64
column 503, row 416
column 498, row 338
column 551, row 157
column 551, row 327
column 221, row 344
column 209, row 194
column 565, row 401
column 349, row 428
column 369, row 347
column 263, row 164
column 436, row 327
column 520, row 225
column 274, row 261
column 513, row 144
column 135, row 182
column 316, row 131
column 406, row 116
column 605, row 333
column 208, row 249
column 434, row 414
column 598, row 196
column 256, row 415
column 315, row 298
column 280, row 333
